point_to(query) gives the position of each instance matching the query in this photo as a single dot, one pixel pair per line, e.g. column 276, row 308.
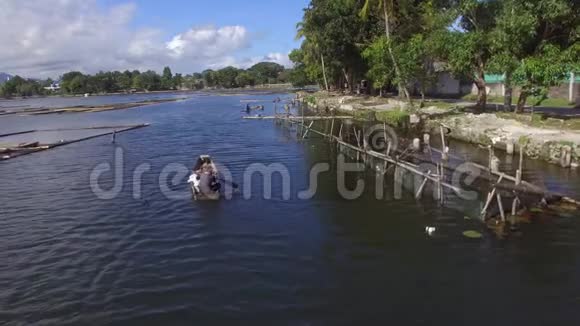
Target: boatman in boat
column 205, row 176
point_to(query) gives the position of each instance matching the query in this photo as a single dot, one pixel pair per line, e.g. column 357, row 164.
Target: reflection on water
column 69, row 258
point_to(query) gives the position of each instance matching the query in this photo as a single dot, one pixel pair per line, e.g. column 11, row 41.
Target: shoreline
column 271, row 88
column 540, row 135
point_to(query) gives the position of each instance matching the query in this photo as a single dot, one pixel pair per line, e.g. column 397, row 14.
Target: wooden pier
column 501, row 187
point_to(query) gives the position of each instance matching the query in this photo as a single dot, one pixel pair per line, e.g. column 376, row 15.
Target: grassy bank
column 535, row 120
column 553, row 102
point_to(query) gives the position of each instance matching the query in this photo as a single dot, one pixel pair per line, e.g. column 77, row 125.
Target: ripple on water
column 70, row 258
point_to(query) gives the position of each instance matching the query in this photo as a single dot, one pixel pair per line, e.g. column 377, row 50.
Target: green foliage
column 263, row 72
column 333, row 31
column 400, row 42
column 226, row 77
column 245, row 78
column 299, row 75
column 310, row 100
column 167, row 79
column 18, row 86
column 537, row 73
column 75, row 82
column 381, row 70
column 396, row 117
column 178, row 81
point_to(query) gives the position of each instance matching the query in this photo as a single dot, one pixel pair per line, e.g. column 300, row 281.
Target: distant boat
column 87, row 94
column 204, row 180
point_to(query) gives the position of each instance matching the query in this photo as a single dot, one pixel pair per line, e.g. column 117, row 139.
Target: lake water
column 70, row 258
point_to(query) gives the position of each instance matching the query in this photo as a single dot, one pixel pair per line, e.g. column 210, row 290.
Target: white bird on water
column 430, row 230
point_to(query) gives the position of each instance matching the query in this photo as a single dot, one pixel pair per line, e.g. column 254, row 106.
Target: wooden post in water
column 566, row 157
column 302, row 109
column 510, row 147
column 500, row 206
column 521, row 166
column 331, row 130
column 444, row 148
column 416, row 144
column 398, row 183
column 427, row 139
column 516, row 202
column 441, row 180
column 387, row 146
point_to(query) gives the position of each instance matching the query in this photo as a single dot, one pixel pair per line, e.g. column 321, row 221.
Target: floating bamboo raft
column 24, row 149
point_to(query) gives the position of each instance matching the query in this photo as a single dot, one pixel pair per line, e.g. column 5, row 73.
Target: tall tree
column 167, row 79
column 467, row 47
column 387, row 7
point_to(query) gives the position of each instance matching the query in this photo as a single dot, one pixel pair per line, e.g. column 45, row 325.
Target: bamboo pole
column 406, row 165
column 331, row 130
column 490, row 198
column 419, row 193
column 307, row 130
column 500, row 205
column 63, row 143
column 356, row 136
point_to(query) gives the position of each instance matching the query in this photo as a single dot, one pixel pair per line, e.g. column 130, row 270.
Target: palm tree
column 300, row 33
column 387, row 6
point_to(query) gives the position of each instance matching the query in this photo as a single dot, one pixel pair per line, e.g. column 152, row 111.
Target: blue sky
column 272, row 24
column 46, row 38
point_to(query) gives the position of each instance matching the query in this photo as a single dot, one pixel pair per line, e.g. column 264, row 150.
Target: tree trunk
column 521, row 102
column 507, row 102
column 481, row 90
column 346, row 80
column 324, row 72
column 402, row 88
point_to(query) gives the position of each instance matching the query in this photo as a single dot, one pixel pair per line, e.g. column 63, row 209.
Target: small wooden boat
column 28, row 145
column 204, row 180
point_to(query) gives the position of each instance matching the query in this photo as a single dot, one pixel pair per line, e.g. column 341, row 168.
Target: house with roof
column 569, row 89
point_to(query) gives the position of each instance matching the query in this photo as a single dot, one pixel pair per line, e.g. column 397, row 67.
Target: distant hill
column 4, row 77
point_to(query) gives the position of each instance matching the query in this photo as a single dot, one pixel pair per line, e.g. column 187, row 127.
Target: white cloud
column 41, row 38
column 208, row 42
